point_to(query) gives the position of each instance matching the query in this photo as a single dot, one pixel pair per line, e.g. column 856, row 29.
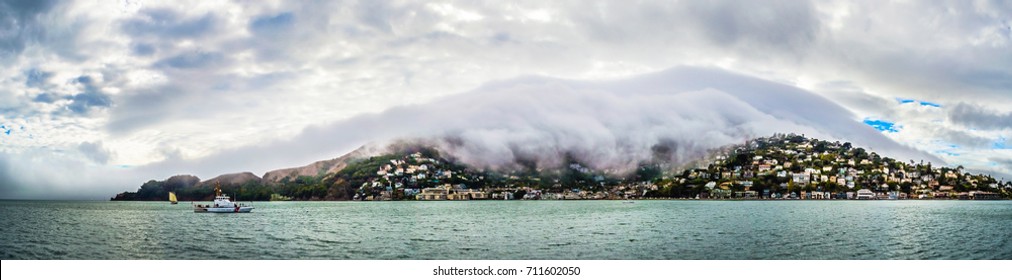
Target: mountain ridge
column 778, row 163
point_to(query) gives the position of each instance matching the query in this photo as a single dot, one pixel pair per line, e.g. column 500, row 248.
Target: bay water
column 679, row 229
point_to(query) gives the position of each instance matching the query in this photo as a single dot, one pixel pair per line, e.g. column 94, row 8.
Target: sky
column 97, row 97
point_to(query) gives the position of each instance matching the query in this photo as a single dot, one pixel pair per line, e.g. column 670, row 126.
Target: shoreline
column 632, row 199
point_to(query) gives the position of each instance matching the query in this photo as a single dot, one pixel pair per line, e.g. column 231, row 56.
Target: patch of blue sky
column 6, row 129
column 921, row 102
column 948, row 153
column 1000, row 144
column 882, row 126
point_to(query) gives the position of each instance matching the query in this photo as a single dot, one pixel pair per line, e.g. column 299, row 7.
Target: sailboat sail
column 172, row 197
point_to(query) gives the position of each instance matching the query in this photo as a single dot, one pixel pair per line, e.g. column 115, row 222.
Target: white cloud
column 454, row 13
column 191, row 78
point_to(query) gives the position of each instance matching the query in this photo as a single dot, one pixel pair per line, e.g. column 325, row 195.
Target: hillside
column 780, row 166
column 233, row 179
column 794, row 166
column 315, row 169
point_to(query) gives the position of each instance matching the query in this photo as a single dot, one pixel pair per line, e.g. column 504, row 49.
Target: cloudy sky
column 99, row 96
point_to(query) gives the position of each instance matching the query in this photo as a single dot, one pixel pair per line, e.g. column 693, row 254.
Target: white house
column 711, row 185
column 865, row 194
column 799, row 178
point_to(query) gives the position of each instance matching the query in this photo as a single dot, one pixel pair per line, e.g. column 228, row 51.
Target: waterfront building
column 979, row 195
column 432, row 194
column 720, row 193
column 865, row 194
column 447, row 192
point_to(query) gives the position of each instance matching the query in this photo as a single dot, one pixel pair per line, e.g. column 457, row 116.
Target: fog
column 608, row 125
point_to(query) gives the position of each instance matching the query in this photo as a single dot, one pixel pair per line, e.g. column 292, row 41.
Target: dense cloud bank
column 611, row 125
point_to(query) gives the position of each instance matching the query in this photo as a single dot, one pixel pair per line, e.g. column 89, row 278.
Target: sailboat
column 172, row 198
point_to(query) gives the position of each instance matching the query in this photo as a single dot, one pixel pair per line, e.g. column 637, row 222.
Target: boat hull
column 244, row 209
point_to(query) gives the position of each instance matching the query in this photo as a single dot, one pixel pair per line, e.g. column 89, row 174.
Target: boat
column 222, row 204
column 172, row 198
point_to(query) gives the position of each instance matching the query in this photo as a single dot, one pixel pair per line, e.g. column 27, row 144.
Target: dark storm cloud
column 46, row 97
column 772, row 25
column 19, row 24
column 92, row 97
column 376, row 14
column 276, row 39
column 94, row 151
column 204, row 96
column 142, row 49
column 999, row 80
column 26, row 8
column 35, row 78
column 855, row 98
column 997, row 175
column 144, row 108
column 961, row 138
column 165, row 24
column 942, row 76
column 981, row 118
column 193, row 59
column 500, row 38
column 789, row 24
column 9, row 186
column 272, row 24
column 935, row 50
column 83, row 102
column 1006, row 163
column 55, row 174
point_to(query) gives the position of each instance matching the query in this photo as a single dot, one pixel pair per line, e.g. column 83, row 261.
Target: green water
column 511, row 230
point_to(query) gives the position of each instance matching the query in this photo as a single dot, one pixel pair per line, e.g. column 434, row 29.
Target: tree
column 905, row 187
column 820, row 147
column 519, row 194
column 648, row 172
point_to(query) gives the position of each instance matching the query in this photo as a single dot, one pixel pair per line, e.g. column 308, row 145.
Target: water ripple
column 512, row 230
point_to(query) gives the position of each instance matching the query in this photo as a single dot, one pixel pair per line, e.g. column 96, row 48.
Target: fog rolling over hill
column 678, row 114
column 673, row 116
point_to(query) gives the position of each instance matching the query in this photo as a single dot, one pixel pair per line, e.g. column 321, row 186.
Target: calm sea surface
column 511, row 230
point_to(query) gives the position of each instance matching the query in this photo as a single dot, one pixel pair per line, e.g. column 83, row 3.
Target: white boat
column 222, row 204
